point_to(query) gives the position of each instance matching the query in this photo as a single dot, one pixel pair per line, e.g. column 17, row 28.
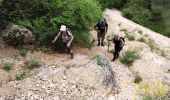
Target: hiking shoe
column 72, row 55
column 113, row 59
column 102, row 44
column 98, row 44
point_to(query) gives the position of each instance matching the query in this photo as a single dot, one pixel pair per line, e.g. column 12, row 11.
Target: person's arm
column 56, row 37
column 106, row 28
column 96, row 28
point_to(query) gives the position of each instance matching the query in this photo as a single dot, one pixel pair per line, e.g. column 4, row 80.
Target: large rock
column 15, row 35
column 87, row 81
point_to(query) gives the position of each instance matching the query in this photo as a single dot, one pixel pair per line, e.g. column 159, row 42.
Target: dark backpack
column 120, row 41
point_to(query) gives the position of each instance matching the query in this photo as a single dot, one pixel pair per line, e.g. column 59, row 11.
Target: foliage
column 100, row 61
column 150, row 90
column 23, row 52
column 20, row 76
column 151, row 44
column 7, row 66
column 112, row 3
column 31, row 64
column 129, row 57
column 130, row 37
column 142, row 39
column 137, row 79
column 149, row 13
column 153, row 90
column 44, row 17
column 85, row 12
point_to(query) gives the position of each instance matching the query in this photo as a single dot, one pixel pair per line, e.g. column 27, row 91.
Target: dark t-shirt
column 101, row 26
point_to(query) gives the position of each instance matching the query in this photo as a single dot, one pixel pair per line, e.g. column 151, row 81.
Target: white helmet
column 63, row 28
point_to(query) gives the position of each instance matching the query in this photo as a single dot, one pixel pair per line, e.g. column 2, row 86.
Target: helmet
column 63, row 28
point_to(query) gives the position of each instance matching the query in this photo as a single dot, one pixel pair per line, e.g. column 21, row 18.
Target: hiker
column 67, row 39
column 119, row 43
column 101, row 27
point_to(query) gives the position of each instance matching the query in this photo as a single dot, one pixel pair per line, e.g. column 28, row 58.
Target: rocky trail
column 82, row 78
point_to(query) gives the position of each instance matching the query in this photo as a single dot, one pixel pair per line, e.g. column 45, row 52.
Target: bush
column 128, row 13
column 130, row 37
column 23, row 52
column 142, row 39
column 141, row 32
column 100, row 61
column 129, row 57
column 20, row 76
column 151, row 44
column 7, row 66
column 46, row 25
column 153, row 90
column 86, row 13
column 112, row 3
column 31, row 64
column 137, row 79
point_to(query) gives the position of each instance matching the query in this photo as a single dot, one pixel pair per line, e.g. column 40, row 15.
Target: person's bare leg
column 103, row 37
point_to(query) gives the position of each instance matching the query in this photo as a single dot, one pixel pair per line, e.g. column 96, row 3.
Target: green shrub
column 137, row 79
column 141, row 32
column 151, row 44
column 128, row 12
column 100, row 61
column 86, row 13
column 31, row 64
column 124, row 30
column 23, row 52
column 20, row 76
column 129, row 57
column 44, row 17
column 142, row 39
column 7, row 66
column 130, row 37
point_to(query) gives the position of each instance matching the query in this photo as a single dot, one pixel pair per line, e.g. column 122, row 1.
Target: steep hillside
column 91, row 77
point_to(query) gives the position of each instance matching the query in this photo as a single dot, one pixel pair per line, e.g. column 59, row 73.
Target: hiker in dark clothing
column 67, row 38
column 119, row 43
column 101, row 27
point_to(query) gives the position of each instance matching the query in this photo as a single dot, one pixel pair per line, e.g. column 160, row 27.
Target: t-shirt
column 66, row 36
column 101, row 26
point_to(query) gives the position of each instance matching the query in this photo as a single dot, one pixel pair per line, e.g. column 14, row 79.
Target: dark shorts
column 65, row 46
column 101, row 35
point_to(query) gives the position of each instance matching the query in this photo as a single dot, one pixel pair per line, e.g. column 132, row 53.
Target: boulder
column 15, row 35
column 88, row 81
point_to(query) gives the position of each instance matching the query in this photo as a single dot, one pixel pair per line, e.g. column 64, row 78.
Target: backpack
column 120, row 41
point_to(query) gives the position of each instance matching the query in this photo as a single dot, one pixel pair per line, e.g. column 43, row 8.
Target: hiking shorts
column 101, row 35
column 65, row 46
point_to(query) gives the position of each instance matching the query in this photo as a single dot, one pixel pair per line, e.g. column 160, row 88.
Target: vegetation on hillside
column 44, row 17
column 154, row 14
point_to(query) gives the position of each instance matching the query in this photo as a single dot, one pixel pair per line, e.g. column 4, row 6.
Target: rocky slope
column 60, row 78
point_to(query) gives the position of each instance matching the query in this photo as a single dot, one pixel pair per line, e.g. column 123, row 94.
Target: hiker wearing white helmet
column 67, row 38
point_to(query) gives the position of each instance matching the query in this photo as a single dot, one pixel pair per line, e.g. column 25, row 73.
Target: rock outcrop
column 87, row 81
column 15, row 35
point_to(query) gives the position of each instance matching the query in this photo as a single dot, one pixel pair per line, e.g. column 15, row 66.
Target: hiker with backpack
column 67, row 39
column 119, row 43
column 101, row 27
